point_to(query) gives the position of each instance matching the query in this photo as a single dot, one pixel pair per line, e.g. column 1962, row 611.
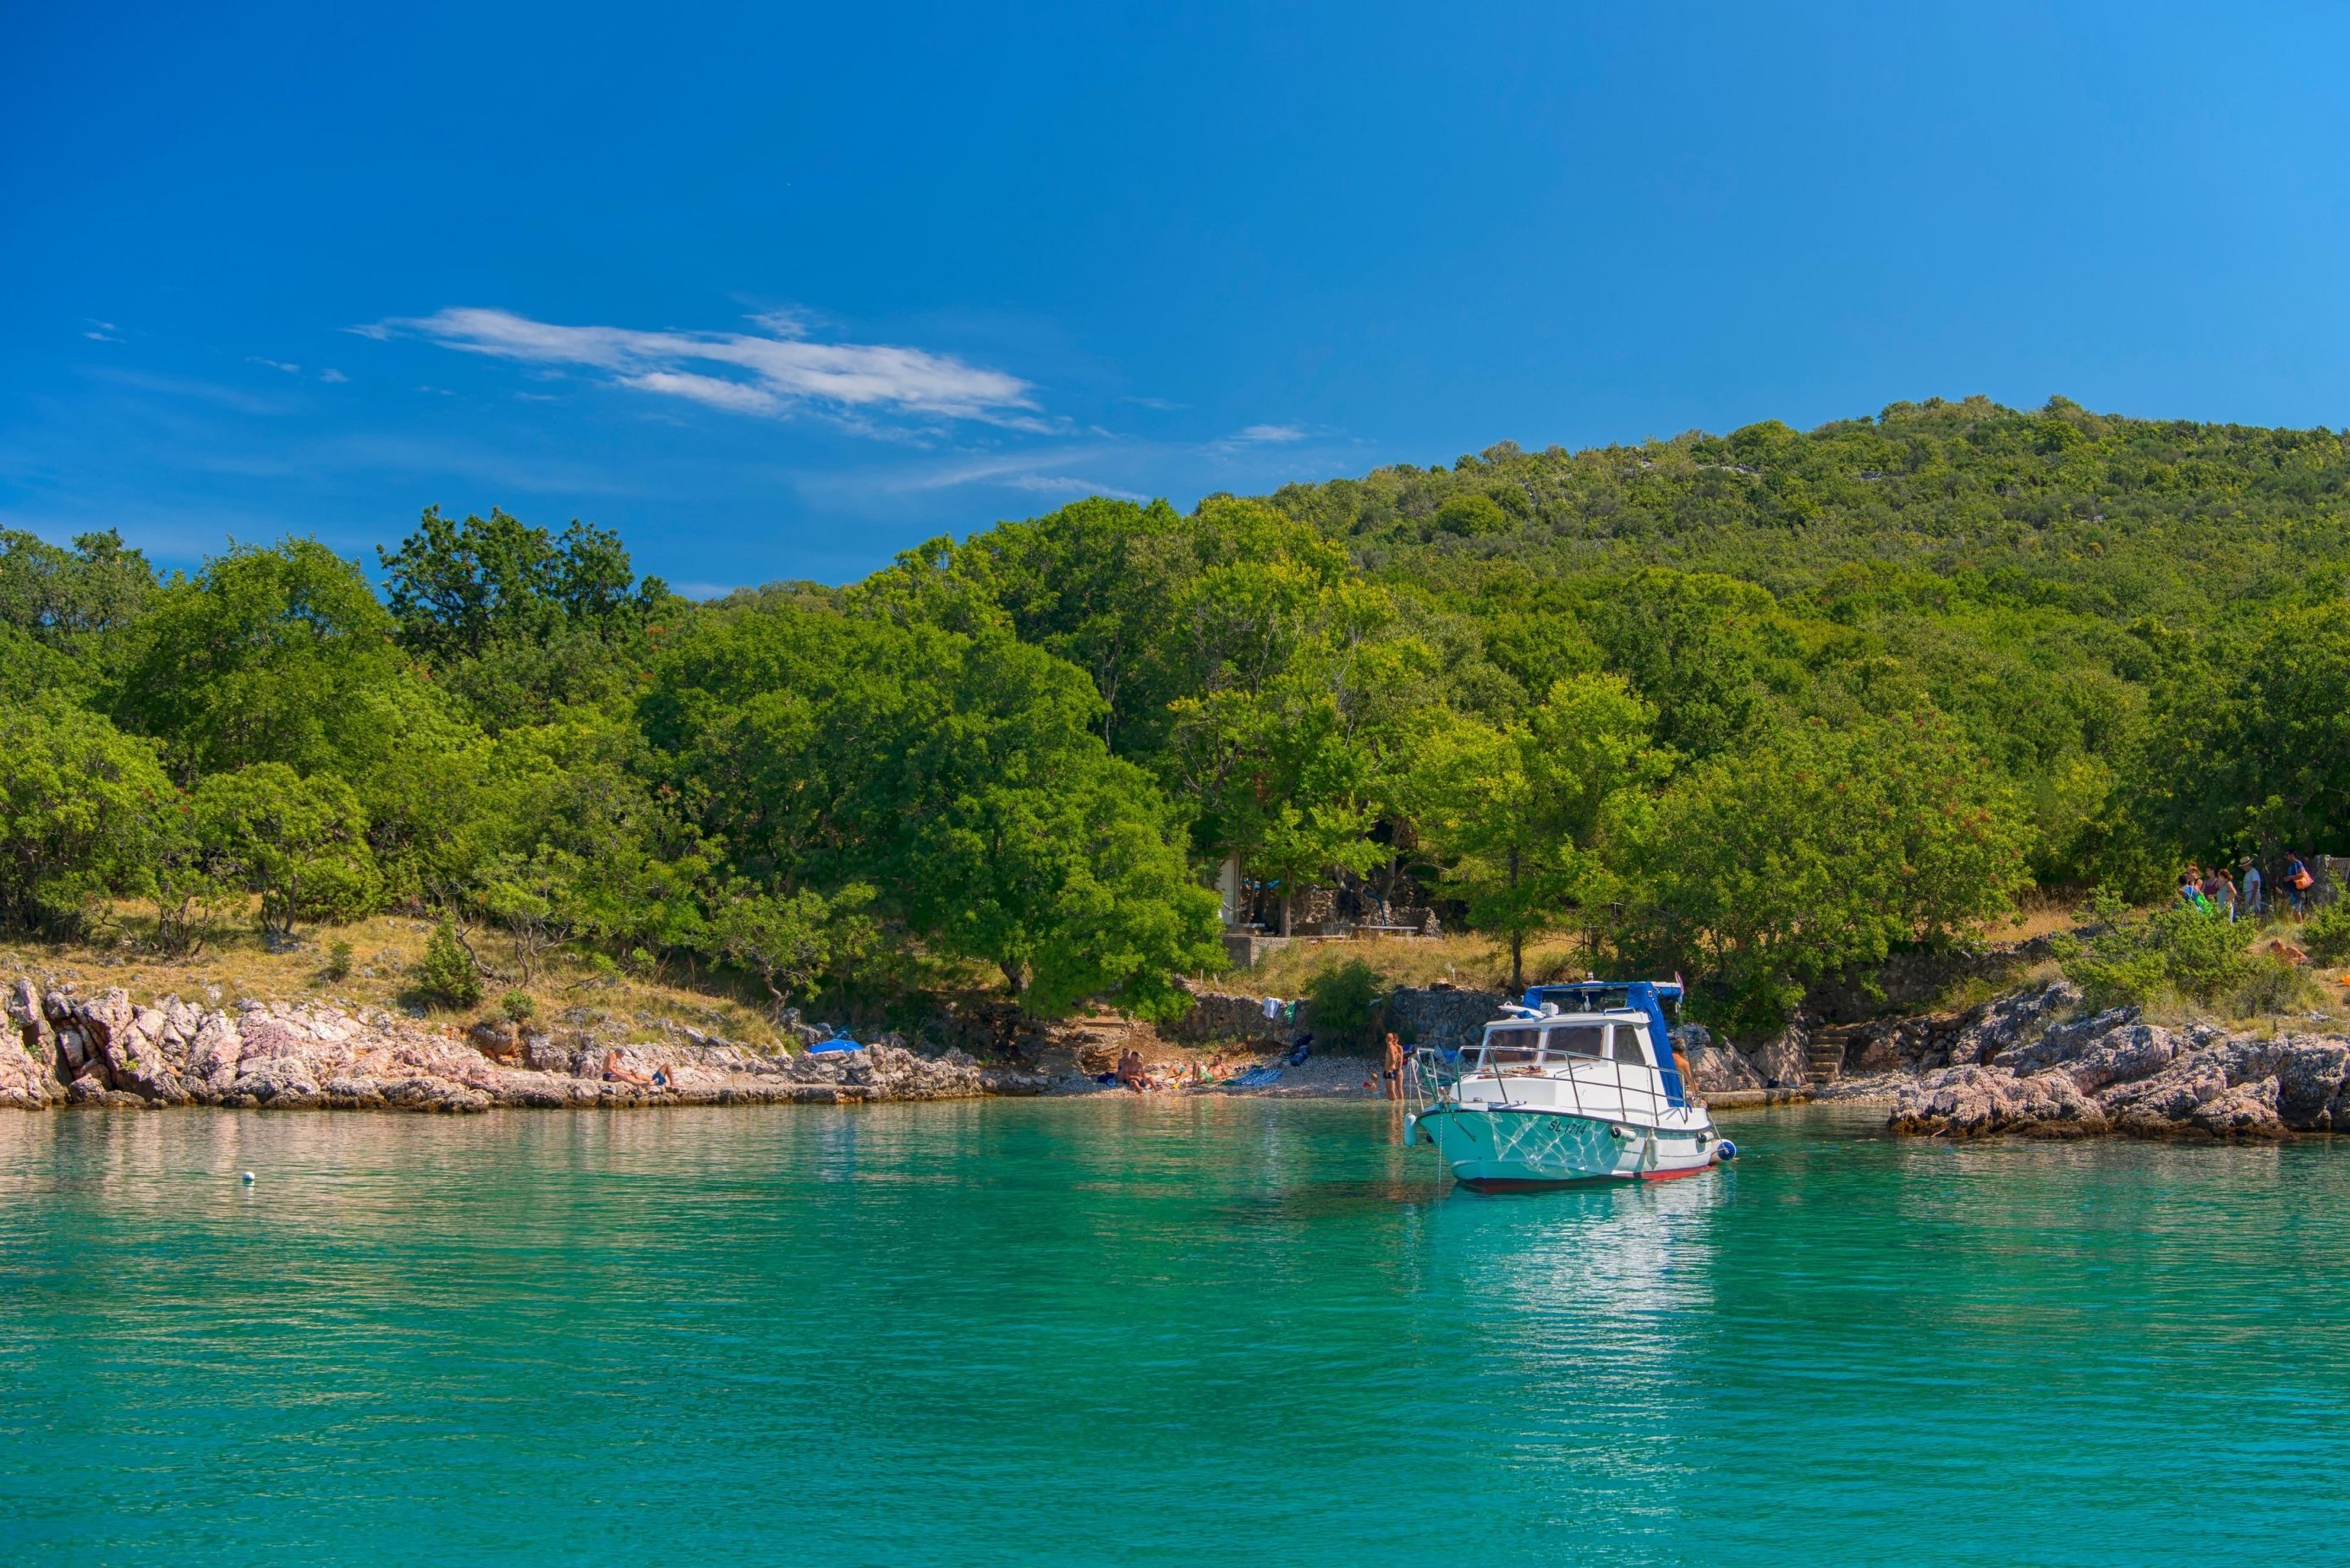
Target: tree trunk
column 1517, row 935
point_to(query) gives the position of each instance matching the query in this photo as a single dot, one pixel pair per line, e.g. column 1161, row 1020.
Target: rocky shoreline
column 62, row 1049
column 2029, row 1065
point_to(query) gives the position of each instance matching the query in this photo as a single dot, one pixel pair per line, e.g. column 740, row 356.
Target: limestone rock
column 1785, row 1061
column 2007, row 1023
column 2123, row 1054
column 107, row 1050
column 25, row 1085
column 1980, row 1102
column 2138, row 1079
column 1716, row 1066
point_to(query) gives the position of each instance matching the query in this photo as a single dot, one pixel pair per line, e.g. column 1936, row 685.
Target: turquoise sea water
column 1179, row 1332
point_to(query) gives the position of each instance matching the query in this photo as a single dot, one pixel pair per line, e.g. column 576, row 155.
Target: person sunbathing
column 618, row 1071
column 1130, row 1072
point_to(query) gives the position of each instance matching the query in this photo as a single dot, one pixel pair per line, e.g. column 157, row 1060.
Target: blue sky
column 779, row 291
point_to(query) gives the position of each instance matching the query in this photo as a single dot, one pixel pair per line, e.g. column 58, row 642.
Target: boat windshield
column 1628, row 1045
column 1566, row 1040
column 1513, row 1050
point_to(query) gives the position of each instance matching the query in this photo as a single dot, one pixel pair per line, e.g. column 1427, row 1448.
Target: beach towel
column 1256, row 1077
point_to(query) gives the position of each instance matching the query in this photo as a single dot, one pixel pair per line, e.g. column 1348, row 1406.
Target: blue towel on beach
column 1256, row 1077
column 839, row 1044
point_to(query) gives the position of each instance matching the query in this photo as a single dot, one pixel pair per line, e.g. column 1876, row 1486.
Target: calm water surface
column 1169, row 1333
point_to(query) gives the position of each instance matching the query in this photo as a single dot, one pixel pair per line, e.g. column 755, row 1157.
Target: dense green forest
column 1758, row 707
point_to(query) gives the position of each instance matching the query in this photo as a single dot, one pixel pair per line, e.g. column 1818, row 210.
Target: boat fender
column 1725, row 1151
column 1410, row 1126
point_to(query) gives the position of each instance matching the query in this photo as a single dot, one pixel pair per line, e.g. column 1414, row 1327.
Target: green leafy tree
column 1531, row 819
column 182, row 878
column 300, row 843
column 2253, row 727
column 70, row 600
column 1817, row 849
column 960, row 775
column 82, row 810
column 277, row 655
column 794, row 944
column 457, row 588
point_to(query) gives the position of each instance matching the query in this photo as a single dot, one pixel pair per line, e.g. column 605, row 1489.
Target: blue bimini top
column 1645, row 996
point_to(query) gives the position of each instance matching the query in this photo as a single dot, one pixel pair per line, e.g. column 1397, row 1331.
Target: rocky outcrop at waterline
column 61, row 1049
column 2031, row 1064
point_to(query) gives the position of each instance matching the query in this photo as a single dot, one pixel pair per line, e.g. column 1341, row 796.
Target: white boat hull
column 1503, row 1148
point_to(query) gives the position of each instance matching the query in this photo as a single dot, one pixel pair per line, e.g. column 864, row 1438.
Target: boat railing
column 1432, row 1079
column 1594, row 1087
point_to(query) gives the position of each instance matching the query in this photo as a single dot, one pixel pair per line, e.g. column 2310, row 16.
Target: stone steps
column 1823, row 1060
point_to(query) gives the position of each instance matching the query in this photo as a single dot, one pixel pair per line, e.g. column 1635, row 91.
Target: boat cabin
column 1524, row 1046
column 1597, row 1064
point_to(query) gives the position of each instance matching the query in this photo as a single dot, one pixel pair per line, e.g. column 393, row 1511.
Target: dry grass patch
column 1471, row 962
column 384, row 948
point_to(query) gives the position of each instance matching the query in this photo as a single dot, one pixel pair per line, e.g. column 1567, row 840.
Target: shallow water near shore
column 1155, row 1331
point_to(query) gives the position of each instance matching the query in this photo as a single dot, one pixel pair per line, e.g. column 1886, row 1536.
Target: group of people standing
column 2246, row 895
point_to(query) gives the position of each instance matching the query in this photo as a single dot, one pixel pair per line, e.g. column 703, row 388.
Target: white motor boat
column 1577, row 1085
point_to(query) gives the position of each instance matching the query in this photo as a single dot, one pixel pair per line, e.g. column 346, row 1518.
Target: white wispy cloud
column 1000, row 469
column 274, row 364
column 1065, row 484
column 1268, row 435
column 100, row 331
column 333, row 376
column 770, row 372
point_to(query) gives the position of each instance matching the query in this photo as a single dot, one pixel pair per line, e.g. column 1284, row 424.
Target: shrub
column 2180, row 951
column 2272, row 984
column 1345, row 999
column 518, row 1005
column 446, row 975
column 2326, row 933
column 339, row 960
column 1470, row 517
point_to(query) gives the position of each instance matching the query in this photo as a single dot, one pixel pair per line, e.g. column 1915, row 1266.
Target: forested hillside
column 1758, row 707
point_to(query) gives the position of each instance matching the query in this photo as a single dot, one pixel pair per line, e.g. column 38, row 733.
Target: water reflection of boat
column 1577, row 1084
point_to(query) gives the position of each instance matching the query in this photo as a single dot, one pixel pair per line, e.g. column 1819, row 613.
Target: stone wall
column 1217, row 1020
column 1446, row 1020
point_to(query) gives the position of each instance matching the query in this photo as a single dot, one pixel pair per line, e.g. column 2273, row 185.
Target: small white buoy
column 248, row 1179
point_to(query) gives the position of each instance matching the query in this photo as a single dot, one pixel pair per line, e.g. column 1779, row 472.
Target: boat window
column 1508, row 1048
column 1628, row 1047
column 1574, row 1040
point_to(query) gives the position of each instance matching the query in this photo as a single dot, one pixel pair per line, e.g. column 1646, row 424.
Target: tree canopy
column 1761, row 706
